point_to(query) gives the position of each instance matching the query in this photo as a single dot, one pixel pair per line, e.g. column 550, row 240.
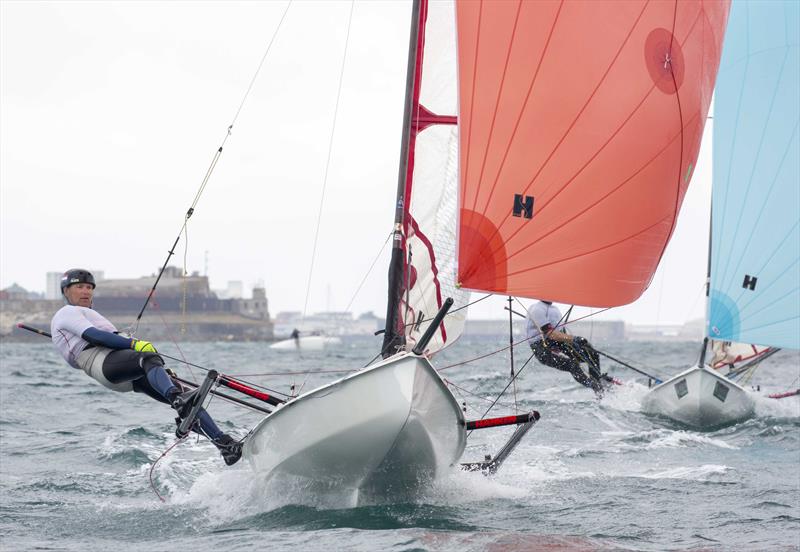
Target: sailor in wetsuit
column 553, row 347
column 89, row 342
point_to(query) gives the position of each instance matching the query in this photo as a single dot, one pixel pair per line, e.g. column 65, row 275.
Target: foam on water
column 681, row 438
column 694, row 473
column 627, row 396
column 788, row 407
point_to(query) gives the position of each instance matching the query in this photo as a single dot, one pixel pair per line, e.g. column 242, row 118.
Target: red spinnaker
column 580, row 125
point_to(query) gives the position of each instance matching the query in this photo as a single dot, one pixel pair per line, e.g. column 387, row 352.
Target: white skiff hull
column 381, row 434
column 700, row 398
column 306, row 343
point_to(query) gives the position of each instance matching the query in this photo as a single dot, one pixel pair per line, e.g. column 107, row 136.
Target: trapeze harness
column 87, row 342
column 562, row 356
column 121, row 370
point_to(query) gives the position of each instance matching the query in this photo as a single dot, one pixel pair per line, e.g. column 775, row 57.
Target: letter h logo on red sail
column 523, row 206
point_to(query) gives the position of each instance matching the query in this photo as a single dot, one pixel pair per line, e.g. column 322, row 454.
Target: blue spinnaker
column 755, row 247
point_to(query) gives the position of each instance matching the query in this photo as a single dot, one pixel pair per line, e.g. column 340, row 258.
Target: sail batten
column 577, row 141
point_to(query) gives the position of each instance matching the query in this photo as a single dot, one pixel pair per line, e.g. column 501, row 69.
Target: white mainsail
column 430, row 275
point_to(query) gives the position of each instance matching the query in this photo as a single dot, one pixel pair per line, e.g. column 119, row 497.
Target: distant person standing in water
column 89, row 342
column 553, row 347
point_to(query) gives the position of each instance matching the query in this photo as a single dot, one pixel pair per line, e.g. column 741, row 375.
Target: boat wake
column 665, row 438
column 230, row 495
column 694, row 473
column 777, row 408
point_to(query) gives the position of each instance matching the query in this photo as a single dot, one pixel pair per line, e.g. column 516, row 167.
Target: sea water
column 81, row 467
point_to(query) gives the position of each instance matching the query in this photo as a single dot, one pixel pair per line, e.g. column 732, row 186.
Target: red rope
column 153, row 467
column 171, row 336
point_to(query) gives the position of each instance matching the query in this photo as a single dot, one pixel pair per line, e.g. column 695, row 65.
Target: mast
column 702, row 359
column 393, row 338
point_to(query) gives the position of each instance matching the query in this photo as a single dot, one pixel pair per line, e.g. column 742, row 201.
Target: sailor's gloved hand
column 581, row 342
column 141, row 346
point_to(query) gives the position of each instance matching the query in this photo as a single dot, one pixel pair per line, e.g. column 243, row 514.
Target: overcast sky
column 110, row 114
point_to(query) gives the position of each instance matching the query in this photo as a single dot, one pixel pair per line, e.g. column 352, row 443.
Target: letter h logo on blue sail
column 523, row 206
column 749, row 282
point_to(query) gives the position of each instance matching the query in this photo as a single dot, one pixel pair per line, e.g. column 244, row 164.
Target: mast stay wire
column 210, row 170
column 328, row 161
column 369, row 271
column 325, row 175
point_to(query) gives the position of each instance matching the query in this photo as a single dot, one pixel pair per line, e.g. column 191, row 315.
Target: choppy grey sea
column 76, row 459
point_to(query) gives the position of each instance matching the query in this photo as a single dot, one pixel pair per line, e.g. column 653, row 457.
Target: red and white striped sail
column 580, row 124
column 431, row 185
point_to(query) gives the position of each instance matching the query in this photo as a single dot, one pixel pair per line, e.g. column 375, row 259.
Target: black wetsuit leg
column 141, row 385
column 594, row 364
column 554, row 355
column 128, row 365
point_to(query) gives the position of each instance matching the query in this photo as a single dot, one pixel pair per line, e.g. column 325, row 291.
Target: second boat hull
column 700, row 398
column 307, row 343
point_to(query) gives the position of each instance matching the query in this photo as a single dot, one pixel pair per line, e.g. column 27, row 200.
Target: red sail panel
column 580, row 126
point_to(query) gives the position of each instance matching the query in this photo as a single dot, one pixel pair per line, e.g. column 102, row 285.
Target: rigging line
column 511, row 344
column 184, row 283
column 752, row 364
column 261, row 374
column 171, row 336
column 505, row 389
column 660, row 295
column 590, row 315
column 328, row 162
column 515, row 343
column 369, row 271
column 258, row 386
column 460, row 396
column 476, row 395
column 388, row 345
column 261, row 63
column 210, row 169
column 452, row 311
column 699, row 294
column 565, row 318
column 482, row 356
column 153, row 467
